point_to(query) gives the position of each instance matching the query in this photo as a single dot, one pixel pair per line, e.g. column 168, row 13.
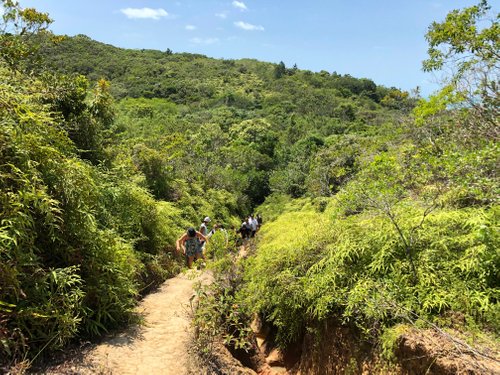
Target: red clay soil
column 336, row 349
column 429, row 352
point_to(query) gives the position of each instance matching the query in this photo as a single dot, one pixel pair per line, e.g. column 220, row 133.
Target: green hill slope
column 247, row 121
column 378, row 205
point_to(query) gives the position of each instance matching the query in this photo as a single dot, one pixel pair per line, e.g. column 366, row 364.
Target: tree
column 332, row 167
column 257, row 133
column 468, row 45
column 398, row 99
column 18, row 27
column 279, row 70
column 85, row 115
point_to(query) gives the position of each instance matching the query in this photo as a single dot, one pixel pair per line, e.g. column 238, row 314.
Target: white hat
column 207, row 220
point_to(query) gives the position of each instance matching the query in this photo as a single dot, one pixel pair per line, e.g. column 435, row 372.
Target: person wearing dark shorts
column 190, row 243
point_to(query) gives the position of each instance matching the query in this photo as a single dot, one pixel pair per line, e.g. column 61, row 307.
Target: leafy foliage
column 61, row 271
column 355, row 267
column 217, row 315
column 376, row 203
column 410, row 232
column 17, row 30
column 467, row 43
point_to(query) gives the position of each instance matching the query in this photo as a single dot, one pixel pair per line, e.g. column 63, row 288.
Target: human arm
column 201, row 237
column 180, row 243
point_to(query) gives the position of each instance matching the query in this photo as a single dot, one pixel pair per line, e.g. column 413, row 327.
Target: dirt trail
column 160, row 345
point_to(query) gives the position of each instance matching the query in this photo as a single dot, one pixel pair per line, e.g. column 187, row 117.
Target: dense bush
column 61, row 272
column 312, row 265
column 93, row 194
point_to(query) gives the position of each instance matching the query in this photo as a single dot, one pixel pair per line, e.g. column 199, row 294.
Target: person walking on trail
column 252, row 223
column 244, row 230
column 204, row 228
column 259, row 220
column 255, row 224
column 190, row 243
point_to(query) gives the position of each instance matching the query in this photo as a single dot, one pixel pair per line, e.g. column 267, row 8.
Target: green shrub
column 311, row 266
column 217, row 315
column 73, row 238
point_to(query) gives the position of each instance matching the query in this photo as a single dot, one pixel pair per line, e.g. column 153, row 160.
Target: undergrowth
column 217, row 317
column 313, row 265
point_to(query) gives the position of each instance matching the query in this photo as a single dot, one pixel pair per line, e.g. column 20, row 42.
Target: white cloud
column 154, row 14
column 204, row 40
column 222, row 15
column 240, row 5
column 248, row 26
column 436, row 5
column 190, row 27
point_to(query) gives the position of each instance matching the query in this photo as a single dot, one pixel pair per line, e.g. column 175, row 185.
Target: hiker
column 190, row 243
column 235, row 235
column 252, row 222
column 259, row 220
column 204, row 228
column 244, row 231
column 255, row 223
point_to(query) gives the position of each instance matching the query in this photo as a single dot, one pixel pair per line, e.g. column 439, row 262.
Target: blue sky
column 381, row 40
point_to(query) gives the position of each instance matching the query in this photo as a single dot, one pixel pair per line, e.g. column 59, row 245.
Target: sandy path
column 160, row 345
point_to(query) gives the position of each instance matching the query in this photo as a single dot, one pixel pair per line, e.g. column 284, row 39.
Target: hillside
column 380, row 209
column 194, row 78
column 275, row 115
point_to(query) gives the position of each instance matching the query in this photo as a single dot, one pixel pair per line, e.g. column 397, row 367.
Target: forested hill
column 380, row 208
column 186, row 78
column 107, row 155
column 256, row 127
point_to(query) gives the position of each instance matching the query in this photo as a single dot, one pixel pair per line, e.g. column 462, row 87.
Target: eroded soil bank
column 332, row 348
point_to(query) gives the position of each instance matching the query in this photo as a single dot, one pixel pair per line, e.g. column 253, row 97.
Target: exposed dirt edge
column 332, row 348
column 221, row 362
column 336, row 349
column 425, row 351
